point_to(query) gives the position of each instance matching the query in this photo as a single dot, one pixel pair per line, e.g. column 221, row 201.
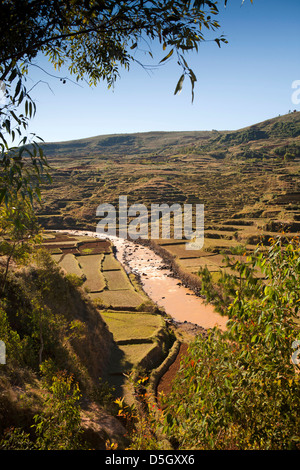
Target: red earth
column 165, row 383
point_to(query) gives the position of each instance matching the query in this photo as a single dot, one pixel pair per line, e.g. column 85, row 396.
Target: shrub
column 11, row 338
column 240, row 387
column 75, row 280
column 58, row 427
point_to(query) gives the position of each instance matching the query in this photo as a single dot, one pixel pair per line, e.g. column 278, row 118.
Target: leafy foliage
column 59, row 426
column 23, row 166
column 240, row 387
column 20, row 231
column 93, row 39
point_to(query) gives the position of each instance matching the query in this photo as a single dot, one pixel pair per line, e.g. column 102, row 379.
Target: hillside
column 50, row 327
column 248, row 180
column 122, row 145
column 90, row 318
column 71, row 317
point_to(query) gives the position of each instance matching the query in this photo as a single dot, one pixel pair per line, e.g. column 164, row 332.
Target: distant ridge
column 142, row 142
column 287, row 125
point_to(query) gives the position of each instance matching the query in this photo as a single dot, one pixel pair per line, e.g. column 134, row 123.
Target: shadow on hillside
column 118, row 366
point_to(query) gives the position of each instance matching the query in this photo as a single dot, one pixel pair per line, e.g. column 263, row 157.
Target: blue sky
column 246, row 81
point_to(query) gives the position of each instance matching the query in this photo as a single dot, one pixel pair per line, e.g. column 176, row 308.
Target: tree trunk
column 6, row 268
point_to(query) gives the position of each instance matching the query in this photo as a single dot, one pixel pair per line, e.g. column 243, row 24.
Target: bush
column 58, row 427
column 11, row 339
column 240, row 387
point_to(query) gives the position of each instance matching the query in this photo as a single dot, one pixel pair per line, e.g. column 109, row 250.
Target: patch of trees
column 243, row 137
column 285, row 129
column 289, row 151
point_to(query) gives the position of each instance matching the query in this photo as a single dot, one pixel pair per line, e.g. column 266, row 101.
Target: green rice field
column 69, row 263
column 110, row 263
column 106, row 282
column 128, row 326
column 91, row 267
column 119, row 299
column 117, row 280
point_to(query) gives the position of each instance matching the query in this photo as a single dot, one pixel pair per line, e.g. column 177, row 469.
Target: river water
column 181, row 303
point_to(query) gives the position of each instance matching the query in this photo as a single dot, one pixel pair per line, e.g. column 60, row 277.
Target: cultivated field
column 134, row 327
column 69, row 263
column 119, row 299
column 91, row 268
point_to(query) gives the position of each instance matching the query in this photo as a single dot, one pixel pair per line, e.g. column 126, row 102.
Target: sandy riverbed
column 158, row 282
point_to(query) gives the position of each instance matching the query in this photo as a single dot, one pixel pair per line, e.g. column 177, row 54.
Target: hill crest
column 159, row 141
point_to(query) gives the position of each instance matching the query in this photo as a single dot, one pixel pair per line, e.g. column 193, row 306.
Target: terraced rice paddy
column 120, row 302
column 105, row 280
column 247, row 180
column 119, row 299
column 110, row 263
column 134, row 327
column 91, row 268
column 69, row 263
column 117, row 280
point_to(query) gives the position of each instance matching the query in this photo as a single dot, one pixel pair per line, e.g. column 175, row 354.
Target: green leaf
column 38, row 193
column 12, row 75
column 18, row 87
column 2, row 194
column 167, row 56
column 179, row 85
